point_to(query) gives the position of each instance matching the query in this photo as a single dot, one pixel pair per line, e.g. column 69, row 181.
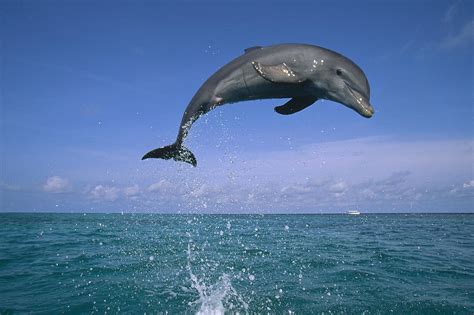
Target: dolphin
column 304, row 73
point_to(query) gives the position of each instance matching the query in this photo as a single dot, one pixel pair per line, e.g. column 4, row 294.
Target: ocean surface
column 213, row 264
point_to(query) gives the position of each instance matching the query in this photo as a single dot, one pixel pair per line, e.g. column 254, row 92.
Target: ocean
column 247, row 264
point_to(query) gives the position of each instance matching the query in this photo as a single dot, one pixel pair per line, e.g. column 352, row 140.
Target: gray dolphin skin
column 303, row 73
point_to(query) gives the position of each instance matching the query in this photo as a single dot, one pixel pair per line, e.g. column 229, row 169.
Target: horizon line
column 230, row 213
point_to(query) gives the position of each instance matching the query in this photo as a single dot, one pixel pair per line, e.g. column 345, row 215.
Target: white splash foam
column 212, row 299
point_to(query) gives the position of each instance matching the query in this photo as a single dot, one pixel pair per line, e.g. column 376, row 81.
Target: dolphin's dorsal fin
column 252, row 48
column 280, row 73
column 295, row 105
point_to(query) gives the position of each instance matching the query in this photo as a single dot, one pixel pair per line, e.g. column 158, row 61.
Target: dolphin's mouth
column 366, row 109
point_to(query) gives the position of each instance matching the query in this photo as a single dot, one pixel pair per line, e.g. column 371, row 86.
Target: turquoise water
column 303, row 264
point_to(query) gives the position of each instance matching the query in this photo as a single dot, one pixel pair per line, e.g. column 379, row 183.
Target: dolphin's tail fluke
column 173, row 151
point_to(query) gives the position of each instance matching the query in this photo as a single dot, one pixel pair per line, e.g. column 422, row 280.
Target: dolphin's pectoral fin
column 277, row 74
column 295, row 105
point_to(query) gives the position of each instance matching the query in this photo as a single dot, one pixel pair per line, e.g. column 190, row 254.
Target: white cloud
column 462, row 37
column 451, row 12
column 56, row 184
column 131, row 191
column 162, row 186
column 464, row 190
column 105, row 193
column 359, row 160
column 311, row 195
column 201, row 191
column 468, row 184
column 9, row 187
column 370, row 173
column 338, row 187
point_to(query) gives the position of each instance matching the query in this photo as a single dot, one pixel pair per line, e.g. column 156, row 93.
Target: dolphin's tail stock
column 174, row 151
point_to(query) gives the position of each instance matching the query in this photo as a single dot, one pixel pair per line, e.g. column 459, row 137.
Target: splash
column 214, row 299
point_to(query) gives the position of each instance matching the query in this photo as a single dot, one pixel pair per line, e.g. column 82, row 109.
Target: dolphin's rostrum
column 304, row 73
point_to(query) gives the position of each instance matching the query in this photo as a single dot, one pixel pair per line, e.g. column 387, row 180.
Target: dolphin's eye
column 339, row 72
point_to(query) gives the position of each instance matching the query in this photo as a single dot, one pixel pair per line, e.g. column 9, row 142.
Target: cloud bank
column 371, row 174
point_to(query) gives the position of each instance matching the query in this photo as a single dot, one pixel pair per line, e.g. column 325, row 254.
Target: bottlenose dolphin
column 304, row 73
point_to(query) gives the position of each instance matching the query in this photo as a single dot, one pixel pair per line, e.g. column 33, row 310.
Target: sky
column 86, row 88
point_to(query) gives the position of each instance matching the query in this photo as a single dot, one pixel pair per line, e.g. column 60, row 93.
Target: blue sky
column 88, row 88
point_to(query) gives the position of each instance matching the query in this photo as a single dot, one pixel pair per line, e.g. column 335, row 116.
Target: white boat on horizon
column 353, row 212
